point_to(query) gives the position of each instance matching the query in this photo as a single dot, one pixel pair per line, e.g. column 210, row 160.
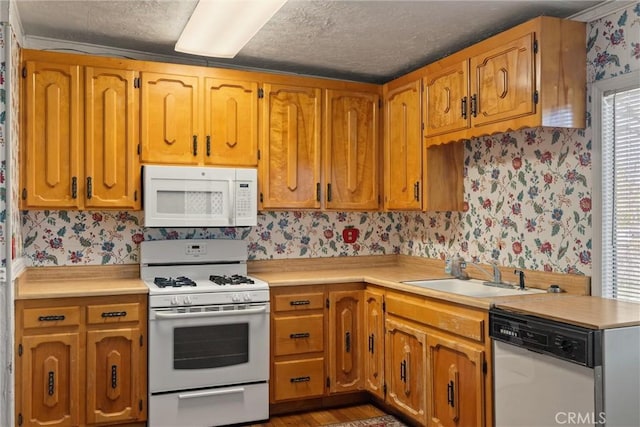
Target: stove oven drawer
column 299, row 379
column 298, row 302
column 113, row 313
column 298, row 334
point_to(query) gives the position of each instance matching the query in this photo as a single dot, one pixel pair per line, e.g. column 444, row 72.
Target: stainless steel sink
column 470, row 288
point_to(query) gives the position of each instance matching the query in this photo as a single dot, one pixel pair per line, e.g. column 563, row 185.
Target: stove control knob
column 174, row 300
column 566, row 346
column 247, row 296
column 187, row 300
column 235, row 298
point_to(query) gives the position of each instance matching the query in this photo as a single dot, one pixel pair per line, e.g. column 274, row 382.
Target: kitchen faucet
column 458, row 265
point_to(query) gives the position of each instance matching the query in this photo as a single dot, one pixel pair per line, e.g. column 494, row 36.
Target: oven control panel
column 208, row 298
column 195, row 249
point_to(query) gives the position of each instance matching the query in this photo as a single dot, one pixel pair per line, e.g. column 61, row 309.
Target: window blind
column 621, row 194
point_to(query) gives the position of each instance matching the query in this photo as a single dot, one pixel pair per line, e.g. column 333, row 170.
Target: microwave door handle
column 160, row 315
column 232, row 201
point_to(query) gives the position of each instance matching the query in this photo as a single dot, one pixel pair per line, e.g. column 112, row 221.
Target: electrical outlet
column 350, row 235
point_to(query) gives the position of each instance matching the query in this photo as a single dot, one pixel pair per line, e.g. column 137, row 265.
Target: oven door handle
column 160, row 315
column 210, row 393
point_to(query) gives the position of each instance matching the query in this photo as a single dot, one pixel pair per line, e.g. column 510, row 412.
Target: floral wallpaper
column 83, row 237
column 15, row 249
column 3, row 142
column 528, row 197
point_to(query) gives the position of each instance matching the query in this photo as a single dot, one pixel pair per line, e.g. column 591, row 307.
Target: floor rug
column 385, row 421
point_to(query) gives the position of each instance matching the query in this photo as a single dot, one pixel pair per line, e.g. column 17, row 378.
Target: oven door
column 207, row 346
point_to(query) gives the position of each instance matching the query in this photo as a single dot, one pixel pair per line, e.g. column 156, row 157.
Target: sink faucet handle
column 497, row 274
column 520, row 274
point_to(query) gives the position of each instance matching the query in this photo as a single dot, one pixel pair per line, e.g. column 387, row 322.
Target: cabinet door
column 403, row 148
column 457, row 383
column 52, row 136
column 351, row 150
column 113, row 367
column 345, row 370
column 446, row 97
column 290, row 164
column 170, row 119
column 405, row 368
column 374, row 342
column 50, row 385
column 503, row 81
column 231, row 122
column 112, row 166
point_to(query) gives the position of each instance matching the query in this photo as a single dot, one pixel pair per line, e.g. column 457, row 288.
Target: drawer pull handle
column 114, row 314
column 300, row 335
column 53, row 318
column 300, row 379
column 52, row 383
column 300, row 302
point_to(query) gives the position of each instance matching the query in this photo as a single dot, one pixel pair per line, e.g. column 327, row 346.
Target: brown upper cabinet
column 80, row 135
column 191, row 119
column 351, row 150
column 290, row 147
column 524, row 77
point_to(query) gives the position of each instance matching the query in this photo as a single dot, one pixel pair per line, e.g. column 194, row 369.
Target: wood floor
column 323, row 417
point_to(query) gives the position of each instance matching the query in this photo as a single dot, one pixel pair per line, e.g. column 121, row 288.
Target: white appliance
column 192, row 196
column 208, row 334
column 549, row 373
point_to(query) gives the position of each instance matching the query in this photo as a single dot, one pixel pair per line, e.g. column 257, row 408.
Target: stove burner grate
column 236, row 279
column 178, row 282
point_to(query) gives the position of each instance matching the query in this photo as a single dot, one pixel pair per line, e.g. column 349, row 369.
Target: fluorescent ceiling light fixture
column 220, row 28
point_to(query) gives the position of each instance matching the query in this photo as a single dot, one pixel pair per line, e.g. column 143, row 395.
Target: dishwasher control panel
column 568, row 342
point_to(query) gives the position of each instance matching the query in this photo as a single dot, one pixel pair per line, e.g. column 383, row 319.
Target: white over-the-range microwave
column 193, row 196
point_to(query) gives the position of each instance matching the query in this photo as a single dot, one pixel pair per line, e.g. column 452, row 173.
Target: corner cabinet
column 522, row 77
column 402, row 146
column 290, row 161
column 80, row 136
column 81, row 361
column 373, row 360
column 351, row 150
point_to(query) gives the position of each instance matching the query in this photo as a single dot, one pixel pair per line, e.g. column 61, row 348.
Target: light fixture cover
column 220, row 28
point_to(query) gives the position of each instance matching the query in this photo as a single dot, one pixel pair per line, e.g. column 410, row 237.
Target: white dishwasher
column 549, row 373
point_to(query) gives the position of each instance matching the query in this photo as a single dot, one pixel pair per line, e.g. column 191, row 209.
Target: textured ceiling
column 372, row 41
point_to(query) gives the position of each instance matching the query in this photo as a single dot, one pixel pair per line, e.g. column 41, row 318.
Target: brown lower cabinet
column 426, row 359
column 81, row 361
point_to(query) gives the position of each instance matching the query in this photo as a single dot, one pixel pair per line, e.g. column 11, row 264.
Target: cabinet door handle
column 53, row 318
column 474, row 105
column 208, row 145
column 300, row 335
column 450, row 393
column 300, row 379
column 114, row 376
column 347, row 342
column 74, row 187
column 416, row 191
column 52, row 383
column 195, row 145
column 371, row 343
column 317, row 191
column 114, row 314
column 89, row 187
column 463, row 107
column 403, row 371
column 328, row 192
column 300, row 302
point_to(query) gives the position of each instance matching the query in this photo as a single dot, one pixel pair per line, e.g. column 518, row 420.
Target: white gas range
column 208, row 334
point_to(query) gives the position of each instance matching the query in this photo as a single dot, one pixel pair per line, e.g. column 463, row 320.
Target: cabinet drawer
column 299, row 379
column 46, row 317
column 466, row 322
column 298, row 334
column 299, row 302
column 113, row 313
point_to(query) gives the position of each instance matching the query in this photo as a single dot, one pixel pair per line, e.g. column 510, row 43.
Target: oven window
column 203, row 347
